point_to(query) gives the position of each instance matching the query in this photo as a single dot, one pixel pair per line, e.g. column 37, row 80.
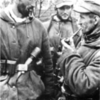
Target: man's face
column 87, row 23
column 64, row 12
column 23, row 5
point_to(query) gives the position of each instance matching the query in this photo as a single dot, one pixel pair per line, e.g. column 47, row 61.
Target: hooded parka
column 17, row 40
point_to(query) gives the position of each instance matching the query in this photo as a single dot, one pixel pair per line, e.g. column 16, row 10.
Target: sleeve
column 82, row 80
column 48, row 65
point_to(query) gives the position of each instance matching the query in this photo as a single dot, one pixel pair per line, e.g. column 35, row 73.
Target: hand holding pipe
column 66, row 42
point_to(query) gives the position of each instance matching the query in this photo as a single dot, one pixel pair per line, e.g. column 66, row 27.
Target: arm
column 48, row 70
column 82, row 79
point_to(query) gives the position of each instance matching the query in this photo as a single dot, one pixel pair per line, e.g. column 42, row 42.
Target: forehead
column 84, row 15
column 64, row 7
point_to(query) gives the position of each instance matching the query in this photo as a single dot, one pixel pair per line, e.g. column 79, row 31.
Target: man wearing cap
column 81, row 67
column 61, row 25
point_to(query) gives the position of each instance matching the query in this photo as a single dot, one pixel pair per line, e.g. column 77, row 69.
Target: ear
column 97, row 19
column 55, row 8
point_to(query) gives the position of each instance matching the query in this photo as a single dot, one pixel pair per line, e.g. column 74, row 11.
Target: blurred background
column 43, row 9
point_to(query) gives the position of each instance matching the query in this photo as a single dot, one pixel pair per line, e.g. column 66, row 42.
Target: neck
column 15, row 11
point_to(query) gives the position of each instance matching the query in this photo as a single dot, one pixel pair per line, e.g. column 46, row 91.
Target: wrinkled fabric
column 29, row 86
column 17, row 40
column 81, row 69
column 58, row 30
column 6, row 91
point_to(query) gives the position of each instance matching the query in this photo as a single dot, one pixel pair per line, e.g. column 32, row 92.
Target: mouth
column 65, row 16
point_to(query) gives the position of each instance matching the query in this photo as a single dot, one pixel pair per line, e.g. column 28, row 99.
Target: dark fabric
column 81, row 69
column 29, row 86
column 93, row 34
column 6, row 91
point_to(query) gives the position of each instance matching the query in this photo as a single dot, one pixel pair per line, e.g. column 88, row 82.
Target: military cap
column 61, row 3
column 88, row 6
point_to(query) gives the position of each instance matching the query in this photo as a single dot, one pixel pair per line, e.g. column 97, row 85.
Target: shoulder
column 37, row 23
column 39, row 28
column 46, row 24
column 2, row 16
column 2, row 13
column 50, row 22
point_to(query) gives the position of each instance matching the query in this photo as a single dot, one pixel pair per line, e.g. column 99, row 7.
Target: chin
column 83, row 31
column 65, row 18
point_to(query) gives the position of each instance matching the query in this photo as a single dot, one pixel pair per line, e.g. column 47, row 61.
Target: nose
column 65, row 11
column 79, row 22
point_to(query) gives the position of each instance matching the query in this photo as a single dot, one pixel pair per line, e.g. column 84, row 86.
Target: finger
column 66, row 45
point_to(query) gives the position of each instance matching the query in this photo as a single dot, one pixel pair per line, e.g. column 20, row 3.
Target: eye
column 81, row 16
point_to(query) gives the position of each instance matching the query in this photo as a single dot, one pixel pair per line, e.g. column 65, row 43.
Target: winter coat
column 81, row 69
column 58, row 29
column 17, row 40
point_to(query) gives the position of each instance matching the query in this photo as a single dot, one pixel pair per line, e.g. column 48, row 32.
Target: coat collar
column 71, row 19
column 8, row 16
column 94, row 35
column 93, row 40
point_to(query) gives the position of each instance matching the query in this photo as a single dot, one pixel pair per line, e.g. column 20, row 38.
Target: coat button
column 13, row 26
column 14, row 41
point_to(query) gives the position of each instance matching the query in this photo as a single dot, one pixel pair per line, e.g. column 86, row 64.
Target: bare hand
column 69, row 46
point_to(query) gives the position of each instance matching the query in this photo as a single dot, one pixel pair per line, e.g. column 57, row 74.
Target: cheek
column 68, row 11
column 84, row 26
column 59, row 12
column 90, row 25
